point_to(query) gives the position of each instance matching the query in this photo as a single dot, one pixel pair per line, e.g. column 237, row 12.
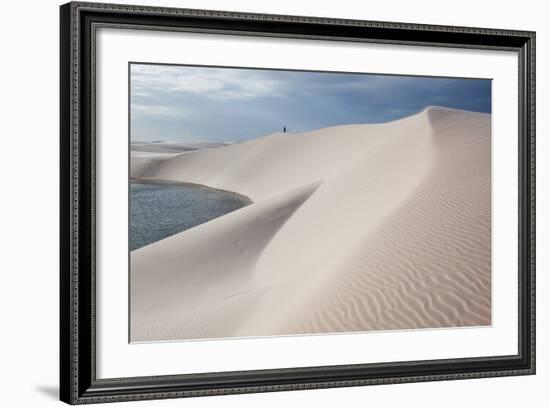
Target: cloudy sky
column 182, row 103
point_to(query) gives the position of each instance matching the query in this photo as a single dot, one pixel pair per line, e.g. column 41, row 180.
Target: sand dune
column 168, row 147
column 359, row 227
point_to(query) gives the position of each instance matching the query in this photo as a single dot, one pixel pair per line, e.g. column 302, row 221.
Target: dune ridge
column 358, row 227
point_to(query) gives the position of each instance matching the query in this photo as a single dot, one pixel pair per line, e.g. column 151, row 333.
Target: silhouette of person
column 284, row 129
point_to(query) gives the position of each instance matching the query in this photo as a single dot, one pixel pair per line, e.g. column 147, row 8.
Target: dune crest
column 357, row 227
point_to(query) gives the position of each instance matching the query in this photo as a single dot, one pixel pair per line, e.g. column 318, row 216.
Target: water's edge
column 242, row 197
column 159, row 209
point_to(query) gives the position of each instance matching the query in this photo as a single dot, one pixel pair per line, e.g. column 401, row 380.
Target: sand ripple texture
column 353, row 228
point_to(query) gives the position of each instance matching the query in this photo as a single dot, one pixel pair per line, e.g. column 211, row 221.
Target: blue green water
column 160, row 210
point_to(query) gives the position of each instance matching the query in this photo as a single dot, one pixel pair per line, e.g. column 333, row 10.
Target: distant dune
column 353, row 228
column 168, row 147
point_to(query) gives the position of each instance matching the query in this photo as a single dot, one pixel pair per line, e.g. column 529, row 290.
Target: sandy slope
column 168, row 147
column 360, row 227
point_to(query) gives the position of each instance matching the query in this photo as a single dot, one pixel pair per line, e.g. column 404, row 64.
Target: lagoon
column 160, row 210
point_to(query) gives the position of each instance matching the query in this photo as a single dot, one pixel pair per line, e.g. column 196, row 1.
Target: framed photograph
column 255, row 203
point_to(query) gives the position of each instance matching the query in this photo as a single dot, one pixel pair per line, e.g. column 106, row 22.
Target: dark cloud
column 226, row 104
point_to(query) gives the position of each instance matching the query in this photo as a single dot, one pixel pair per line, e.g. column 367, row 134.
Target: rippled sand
column 353, row 228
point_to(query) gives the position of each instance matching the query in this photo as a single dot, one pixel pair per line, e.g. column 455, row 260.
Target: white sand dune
column 168, row 147
column 359, row 227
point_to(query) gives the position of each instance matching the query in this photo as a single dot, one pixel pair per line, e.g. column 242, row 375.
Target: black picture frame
column 78, row 382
